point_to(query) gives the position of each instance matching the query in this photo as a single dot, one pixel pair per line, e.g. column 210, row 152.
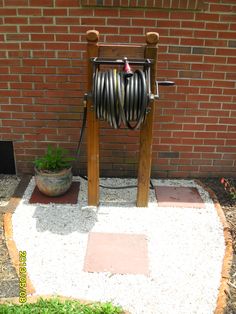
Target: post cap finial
column 152, row 38
column 92, row 35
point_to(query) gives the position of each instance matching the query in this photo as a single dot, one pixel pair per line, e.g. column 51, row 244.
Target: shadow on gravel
column 63, row 220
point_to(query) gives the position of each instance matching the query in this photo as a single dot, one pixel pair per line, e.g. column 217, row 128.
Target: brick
column 41, row 20
column 228, row 134
column 181, row 32
column 57, row 46
column 41, row 3
column 5, row 12
column 221, row 98
column 15, row 20
column 200, row 82
column 205, row 51
column 228, row 18
column 232, row 43
column 228, row 106
column 228, row 120
column 178, row 49
column 31, row 29
column 190, row 58
column 157, row 14
column 143, row 22
column 191, row 41
column 38, row 70
column 213, row 75
column 182, row 15
column 29, row 11
column 202, row 67
column 215, row 43
column 54, row 12
column 168, row 24
column 207, row 16
column 217, row 26
column 42, row 37
column 67, row 3
column 192, row 24
column 44, row 54
column 230, row 76
column 225, row 52
column 207, row 120
column 8, row 29
column 190, row 74
column 205, row 34
column 220, row 8
column 6, row 122
column 21, row 100
column 16, row 2
column 214, row 59
column 204, row 149
column 97, row 12
column 187, row 90
column 214, row 142
column 180, row 161
column 232, row 27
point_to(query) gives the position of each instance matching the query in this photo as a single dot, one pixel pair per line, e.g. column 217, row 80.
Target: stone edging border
column 8, row 232
column 228, row 256
column 13, row 251
column 14, row 254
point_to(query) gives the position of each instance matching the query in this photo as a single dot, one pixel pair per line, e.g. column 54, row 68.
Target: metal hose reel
column 122, row 96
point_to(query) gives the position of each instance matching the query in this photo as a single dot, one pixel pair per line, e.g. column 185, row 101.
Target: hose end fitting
column 127, row 68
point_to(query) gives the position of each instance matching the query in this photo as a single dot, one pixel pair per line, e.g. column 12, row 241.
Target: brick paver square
column 70, row 197
column 168, row 196
column 117, row 253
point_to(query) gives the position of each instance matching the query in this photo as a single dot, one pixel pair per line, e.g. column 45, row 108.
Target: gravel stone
column 186, row 249
column 8, row 183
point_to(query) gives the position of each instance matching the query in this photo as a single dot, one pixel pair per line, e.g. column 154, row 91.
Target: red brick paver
column 168, row 196
column 117, row 253
column 70, row 197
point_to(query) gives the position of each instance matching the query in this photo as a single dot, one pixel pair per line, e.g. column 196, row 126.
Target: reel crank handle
column 162, row 83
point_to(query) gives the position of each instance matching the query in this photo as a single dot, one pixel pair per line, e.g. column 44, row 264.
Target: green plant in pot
column 53, row 175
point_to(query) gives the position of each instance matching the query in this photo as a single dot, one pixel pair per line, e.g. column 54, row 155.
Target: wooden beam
column 120, row 51
column 145, row 151
column 93, row 125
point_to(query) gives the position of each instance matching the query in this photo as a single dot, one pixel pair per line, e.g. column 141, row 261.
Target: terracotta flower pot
column 53, row 183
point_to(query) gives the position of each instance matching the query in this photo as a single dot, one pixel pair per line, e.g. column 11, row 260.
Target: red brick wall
column 43, row 79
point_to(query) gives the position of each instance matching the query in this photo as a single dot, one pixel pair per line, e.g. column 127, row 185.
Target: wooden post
column 93, row 126
column 145, row 151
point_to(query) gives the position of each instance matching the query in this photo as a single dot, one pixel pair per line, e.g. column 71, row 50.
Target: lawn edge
column 35, row 298
column 228, row 256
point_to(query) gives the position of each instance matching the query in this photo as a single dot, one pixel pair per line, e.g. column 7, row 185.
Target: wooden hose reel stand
column 118, row 52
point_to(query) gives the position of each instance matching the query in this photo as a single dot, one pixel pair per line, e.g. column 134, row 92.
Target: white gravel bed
column 185, row 248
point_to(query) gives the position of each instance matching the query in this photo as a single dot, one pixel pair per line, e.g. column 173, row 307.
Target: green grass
column 55, row 306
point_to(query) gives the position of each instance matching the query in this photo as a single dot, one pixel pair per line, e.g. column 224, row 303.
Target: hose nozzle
column 127, row 68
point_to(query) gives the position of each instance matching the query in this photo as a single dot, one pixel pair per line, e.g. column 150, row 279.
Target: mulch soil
column 9, row 280
column 228, row 205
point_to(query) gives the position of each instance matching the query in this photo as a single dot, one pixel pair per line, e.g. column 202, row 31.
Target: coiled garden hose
column 121, row 97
